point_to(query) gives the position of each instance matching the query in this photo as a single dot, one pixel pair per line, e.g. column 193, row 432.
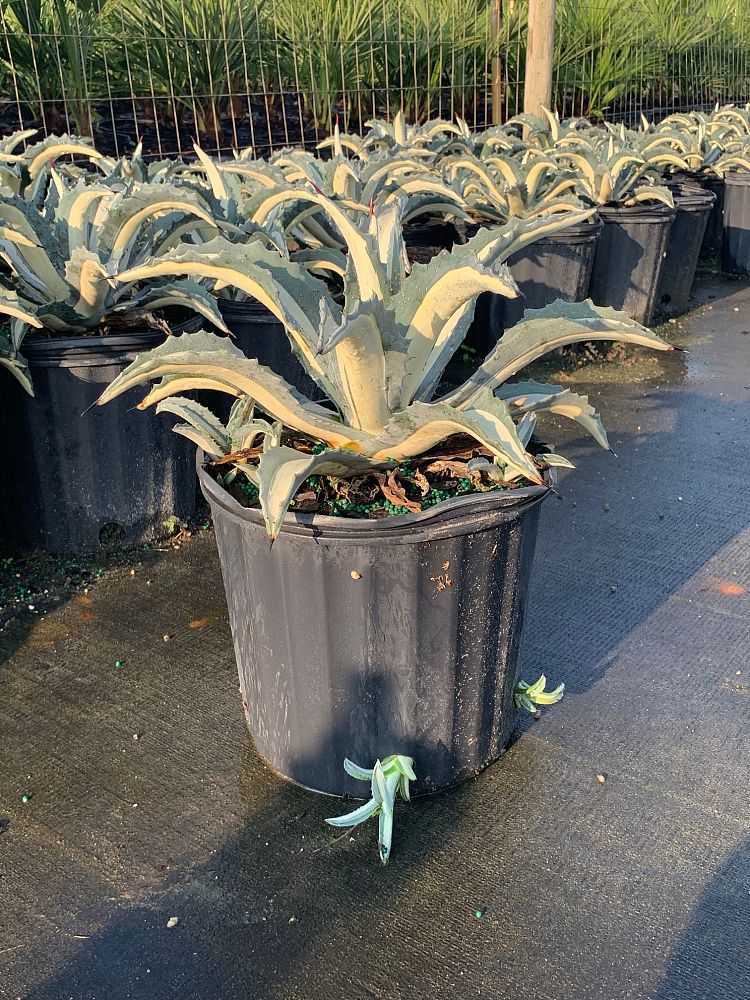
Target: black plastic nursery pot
column 79, row 477
column 363, row 638
column 715, row 226
column 259, row 334
column 693, row 205
column 735, row 248
column 425, row 239
column 555, row 267
column 629, row 258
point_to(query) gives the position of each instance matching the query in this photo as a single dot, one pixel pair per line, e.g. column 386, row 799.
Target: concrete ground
column 634, row 887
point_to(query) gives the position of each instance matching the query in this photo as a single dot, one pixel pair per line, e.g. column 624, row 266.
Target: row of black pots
column 728, row 228
column 76, row 463
column 352, row 638
column 640, row 259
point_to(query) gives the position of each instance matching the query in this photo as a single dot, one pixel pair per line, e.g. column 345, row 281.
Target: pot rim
column 645, row 212
column 86, row 350
column 737, row 178
column 459, row 515
column 580, row 232
column 587, row 229
column 694, row 201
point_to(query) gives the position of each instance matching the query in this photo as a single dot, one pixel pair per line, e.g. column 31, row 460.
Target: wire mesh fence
column 269, row 73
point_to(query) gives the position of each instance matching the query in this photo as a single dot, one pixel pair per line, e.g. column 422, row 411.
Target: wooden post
column 497, row 63
column 540, row 45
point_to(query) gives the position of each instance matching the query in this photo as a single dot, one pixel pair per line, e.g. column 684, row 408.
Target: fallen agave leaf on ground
column 387, row 780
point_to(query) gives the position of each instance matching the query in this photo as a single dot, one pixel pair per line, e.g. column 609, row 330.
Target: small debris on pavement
column 173, row 922
column 292, row 920
column 601, row 778
column 355, row 575
column 119, row 663
column 26, row 798
column 605, row 508
column 136, row 736
column 479, row 913
column 166, row 637
column 612, row 588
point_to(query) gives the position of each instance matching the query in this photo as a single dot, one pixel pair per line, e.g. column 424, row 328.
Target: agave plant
column 531, row 696
column 359, row 188
column 227, row 446
column 431, row 139
column 610, row 176
column 735, row 158
column 699, row 149
column 499, row 187
column 60, row 258
column 28, row 172
column 728, row 116
column 380, row 358
column 546, row 131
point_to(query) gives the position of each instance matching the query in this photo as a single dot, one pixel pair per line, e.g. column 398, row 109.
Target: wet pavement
column 146, row 800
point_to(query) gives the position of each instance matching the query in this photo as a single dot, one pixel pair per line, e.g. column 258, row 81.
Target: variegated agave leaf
column 543, row 330
column 22, row 313
column 130, row 222
column 204, row 429
column 39, row 158
column 433, row 337
column 10, row 143
column 530, row 696
column 420, row 426
column 199, row 425
column 323, row 260
column 62, row 258
column 340, row 141
column 298, row 300
column 387, row 780
column 203, row 360
column 282, row 470
column 185, row 292
column 534, row 397
column 15, row 363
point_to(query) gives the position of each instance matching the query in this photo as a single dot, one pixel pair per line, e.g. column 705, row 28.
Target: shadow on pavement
column 712, row 957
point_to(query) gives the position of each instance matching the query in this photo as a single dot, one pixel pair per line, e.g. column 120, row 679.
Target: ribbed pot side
column 79, row 477
column 259, row 334
column 735, row 250
column 358, row 640
column 629, row 258
column 683, row 248
column 714, row 229
column 555, row 267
